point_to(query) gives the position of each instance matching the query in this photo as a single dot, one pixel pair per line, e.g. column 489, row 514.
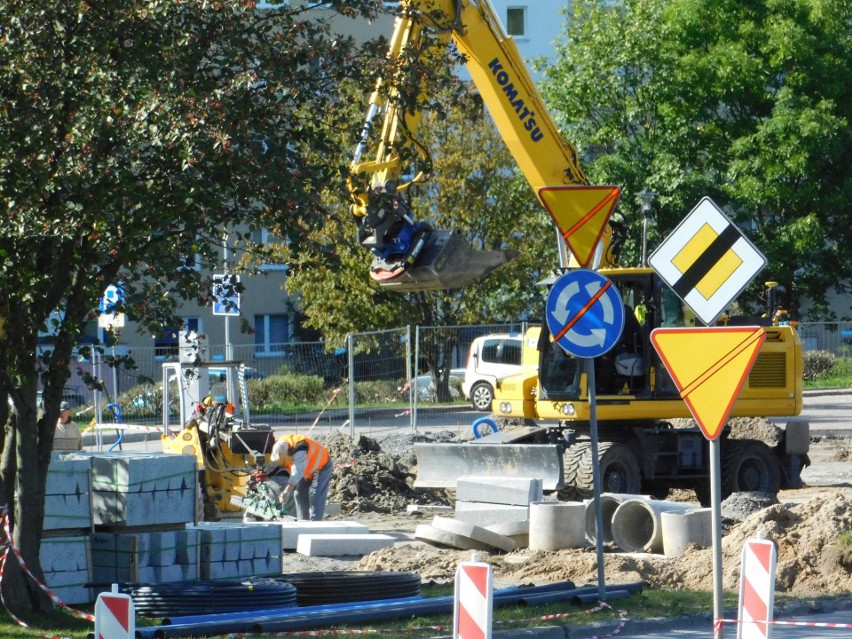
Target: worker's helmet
column 280, row 449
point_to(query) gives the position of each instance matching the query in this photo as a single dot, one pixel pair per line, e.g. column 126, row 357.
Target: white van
column 491, row 357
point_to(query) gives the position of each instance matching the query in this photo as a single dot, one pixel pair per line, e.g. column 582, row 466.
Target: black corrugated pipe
column 308, row 618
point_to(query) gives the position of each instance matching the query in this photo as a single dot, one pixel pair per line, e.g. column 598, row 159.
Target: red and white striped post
column 757, row 590
column 115, row 616
column 473, row 601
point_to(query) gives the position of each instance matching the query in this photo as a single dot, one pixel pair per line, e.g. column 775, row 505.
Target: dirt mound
column 809, row 559
column 758, row 428
column 368, row 479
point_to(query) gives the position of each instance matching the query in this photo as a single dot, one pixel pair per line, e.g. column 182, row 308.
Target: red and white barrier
column 473, row 603
column 115, row 616
column 757, row 590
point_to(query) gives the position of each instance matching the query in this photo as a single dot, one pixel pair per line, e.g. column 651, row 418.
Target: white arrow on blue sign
column 585, row 313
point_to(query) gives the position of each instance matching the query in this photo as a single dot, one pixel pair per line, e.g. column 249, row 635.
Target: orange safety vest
column 316, row 453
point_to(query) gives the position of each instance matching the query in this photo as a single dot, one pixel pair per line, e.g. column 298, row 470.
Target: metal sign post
column 585, row 316
column 708, row 262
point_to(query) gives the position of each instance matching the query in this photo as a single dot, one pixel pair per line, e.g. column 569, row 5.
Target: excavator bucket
column 445, row 262
column 441, row 465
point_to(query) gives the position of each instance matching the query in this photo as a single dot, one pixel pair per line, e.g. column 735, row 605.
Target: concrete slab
column 342, row 545
column 517, row 531
column 489, row 514
column 428, row 509
column 492, row 540
column 439, row 537
column 292, row 530
column 512, row 491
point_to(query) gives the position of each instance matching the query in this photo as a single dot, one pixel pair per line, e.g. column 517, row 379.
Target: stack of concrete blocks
column 329, row 538
column 64, row 552
column 497, row 505
column 145, row 557
column 66, row 565
column 234, row 551
column 143, row 489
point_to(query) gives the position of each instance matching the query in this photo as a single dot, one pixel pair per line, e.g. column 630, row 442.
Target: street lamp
column 645, row 198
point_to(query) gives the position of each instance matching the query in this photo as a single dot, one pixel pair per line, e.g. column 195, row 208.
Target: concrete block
column 62, row 554
column 512, row 491
column 341, row 545
column 67, row 511
column 68, row 475
column 489, row 539
column 69, row 586
column 163, row 548
column 174, row 506
column 489, row 514
column 333, row 509
column 291, row 530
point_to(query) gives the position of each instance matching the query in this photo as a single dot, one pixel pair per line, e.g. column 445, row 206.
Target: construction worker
column 310, row 467
column 67, row 435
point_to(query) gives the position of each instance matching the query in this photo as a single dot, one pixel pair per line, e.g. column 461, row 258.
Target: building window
column 516, row 18
column 271, row 332
column 166, row 344
column 264, row 237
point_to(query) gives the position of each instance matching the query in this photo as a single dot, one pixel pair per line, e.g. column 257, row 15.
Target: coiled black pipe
column 318, row 588
column 209, row 597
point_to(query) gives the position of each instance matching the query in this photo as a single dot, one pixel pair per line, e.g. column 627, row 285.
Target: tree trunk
column 25, row 459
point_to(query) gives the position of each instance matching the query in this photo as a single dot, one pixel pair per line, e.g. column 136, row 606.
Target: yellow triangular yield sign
column 709, row 367
column 581, row 214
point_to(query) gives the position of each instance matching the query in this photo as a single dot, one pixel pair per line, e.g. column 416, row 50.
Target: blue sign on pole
column 226, row 299
column 112, row 296
column 585, row 313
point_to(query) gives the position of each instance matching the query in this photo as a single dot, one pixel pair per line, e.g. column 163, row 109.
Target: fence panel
column 401, row 378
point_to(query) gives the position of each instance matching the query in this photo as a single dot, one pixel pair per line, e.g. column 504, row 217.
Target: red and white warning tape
column 802, row 624
column 9, row 545
column 334, row 394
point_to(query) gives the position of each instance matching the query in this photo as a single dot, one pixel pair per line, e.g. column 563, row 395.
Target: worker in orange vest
column 310, row 467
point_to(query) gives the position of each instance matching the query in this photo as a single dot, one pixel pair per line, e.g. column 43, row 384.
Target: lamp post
column 645, row 198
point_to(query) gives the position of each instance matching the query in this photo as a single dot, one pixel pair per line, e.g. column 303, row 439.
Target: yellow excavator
column 641, row 448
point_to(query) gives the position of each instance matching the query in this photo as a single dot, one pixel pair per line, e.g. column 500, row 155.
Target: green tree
column 474, row 186
column 132, row 136
column 747, row 103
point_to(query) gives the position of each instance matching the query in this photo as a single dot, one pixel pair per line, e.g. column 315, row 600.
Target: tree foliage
column 474, row 186
column 132, row 136
column 747, row 103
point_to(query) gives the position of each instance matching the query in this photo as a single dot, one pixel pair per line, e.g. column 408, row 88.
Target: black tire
column 481, row 396
column 749, row 466
column 618, row 467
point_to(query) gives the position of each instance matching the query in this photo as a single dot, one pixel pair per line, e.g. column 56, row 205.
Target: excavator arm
column 410, row 255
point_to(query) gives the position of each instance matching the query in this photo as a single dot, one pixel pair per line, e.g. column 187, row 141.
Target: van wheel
column 481, row 396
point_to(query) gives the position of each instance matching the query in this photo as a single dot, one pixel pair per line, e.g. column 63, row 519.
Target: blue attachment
column 116, row 409
column 401, row 243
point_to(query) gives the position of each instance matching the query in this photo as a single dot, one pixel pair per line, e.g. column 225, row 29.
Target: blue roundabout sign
column 585, row 313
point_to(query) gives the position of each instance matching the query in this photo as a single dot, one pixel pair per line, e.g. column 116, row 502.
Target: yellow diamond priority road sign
column 709, row 367
column 707, row 261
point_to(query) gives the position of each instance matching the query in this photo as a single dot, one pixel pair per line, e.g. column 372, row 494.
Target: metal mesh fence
column 400, row 378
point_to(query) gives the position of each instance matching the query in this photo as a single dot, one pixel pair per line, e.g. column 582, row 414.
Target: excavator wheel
column 619, row 471
column 749, row 465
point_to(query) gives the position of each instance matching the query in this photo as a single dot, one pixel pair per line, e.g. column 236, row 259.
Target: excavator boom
column 410, row 255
